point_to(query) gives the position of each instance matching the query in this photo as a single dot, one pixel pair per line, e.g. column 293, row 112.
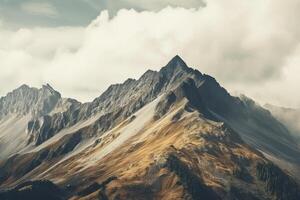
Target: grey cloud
column 159, row 4
column 40, row 9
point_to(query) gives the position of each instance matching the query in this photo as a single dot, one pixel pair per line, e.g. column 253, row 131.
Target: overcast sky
column 81, row 47
column 51, row 13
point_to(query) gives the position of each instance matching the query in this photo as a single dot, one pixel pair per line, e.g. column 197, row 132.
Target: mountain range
column 171, row 134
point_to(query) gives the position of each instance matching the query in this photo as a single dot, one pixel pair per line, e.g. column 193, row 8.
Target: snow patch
column 142, row 117
column 13, row 136
column 63, row 133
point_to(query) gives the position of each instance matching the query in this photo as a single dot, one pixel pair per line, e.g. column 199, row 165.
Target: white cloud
column 40, row 8
column 249, row 46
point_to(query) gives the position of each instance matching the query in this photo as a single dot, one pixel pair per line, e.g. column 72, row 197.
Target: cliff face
column 171, row 134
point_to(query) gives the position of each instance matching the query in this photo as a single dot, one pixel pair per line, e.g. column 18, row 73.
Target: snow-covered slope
column 138, row 121
column 13, row 135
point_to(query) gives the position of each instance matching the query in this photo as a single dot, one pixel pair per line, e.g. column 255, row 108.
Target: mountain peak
column 49, row 88
column 23, row 86
column 26, row 99
column 175, row 66
column 177, row 61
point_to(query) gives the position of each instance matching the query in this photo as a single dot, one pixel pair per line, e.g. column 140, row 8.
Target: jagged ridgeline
column 171, row 134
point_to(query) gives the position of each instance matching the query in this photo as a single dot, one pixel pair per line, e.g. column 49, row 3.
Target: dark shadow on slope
column 34, row 190
column 192, row 183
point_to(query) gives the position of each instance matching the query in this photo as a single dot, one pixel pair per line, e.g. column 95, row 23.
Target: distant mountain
column 171, row 134
column 289, row 117
column 19, row 111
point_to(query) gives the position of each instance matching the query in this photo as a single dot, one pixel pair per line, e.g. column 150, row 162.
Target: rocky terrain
column 171, row 134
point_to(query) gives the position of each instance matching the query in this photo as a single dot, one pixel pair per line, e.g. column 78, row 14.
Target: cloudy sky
column 81, row 47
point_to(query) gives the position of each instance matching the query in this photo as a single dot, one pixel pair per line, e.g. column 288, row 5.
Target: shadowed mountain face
column 34, row 190
column 171, row 134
